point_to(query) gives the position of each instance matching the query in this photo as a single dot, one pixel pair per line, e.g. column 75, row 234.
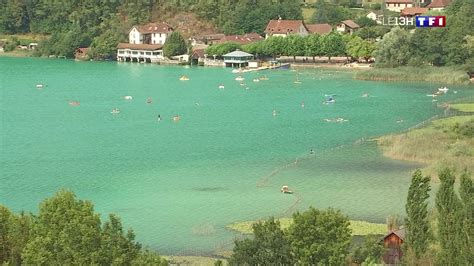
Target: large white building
column 145, row 43
column 398, row 5
column 151, row 33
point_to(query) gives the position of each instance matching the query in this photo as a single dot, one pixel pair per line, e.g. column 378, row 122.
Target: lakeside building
column 398, row 5
column 439, row 5
column 237, row 58
column 145, row 43
column 129, row 52
column 284, row 28
column 347, row 26
column 393, row 243
column 320, row 29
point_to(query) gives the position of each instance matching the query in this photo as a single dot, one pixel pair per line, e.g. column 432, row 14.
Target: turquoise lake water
column 177, row 184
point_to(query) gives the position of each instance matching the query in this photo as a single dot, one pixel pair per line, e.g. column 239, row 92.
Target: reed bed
column 440, row 75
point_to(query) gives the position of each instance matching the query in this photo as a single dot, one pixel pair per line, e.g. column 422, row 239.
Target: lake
column 178, row 183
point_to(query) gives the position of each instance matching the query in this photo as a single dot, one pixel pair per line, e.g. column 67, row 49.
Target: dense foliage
column 67, row 231
column 315, row 237
column 432, row 46
column 174, row 45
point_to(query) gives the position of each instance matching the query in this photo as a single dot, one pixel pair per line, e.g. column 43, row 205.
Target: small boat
column 115, row 111
column 74, row 103
column 238, row 70
column 444, row 89
column 221, row 86
column 286, row 190
column 329, row 100
column 256, row 80
column 149, row 100
column 128, row 97
column 365, row 95
column 431, row 95
column 176, row 118
column 263, row 78
column 239, row 78
column 39, row 86
column 297, row 82
column 183, row 78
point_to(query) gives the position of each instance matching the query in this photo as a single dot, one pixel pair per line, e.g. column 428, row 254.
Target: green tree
column 449, row 220
column 319, row 237
column 222, row 49
column 417, row 223
column 268, row 247
column 174, row 45
column 117, row 248
column 466, row 191
column 365, row 22
column 393, row 50
column 147, row 257
column 313, row 46
column 333, row 45
column 371, row 251
column 295, row 46
column 274, row 46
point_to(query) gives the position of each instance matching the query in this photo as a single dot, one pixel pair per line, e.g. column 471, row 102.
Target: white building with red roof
column 241, row 39
column 347, row 26
column 283, row 28
column 320, row 29
column 151, row 33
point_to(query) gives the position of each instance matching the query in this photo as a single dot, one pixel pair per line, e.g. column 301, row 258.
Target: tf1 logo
column 430, row 21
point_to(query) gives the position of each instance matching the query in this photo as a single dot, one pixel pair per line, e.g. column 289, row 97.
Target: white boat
column 256, row 80
column 39, row 86
column 431, row 95
column 443, row 89
column 115, row 111
column 183, row 78
column 128, row 97
column 238, row 70
column 239, row 78
column 221, row 86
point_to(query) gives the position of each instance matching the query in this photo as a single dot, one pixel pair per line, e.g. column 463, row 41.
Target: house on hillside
column 439, row 5
column 284, row 28
column 347, row 26
column 145, row 43
column 237, row 58
column 393, row 243
column 151, row 33
column 398, row 5
column 376, row 16
column 320, row 29
column 241, row 39
column 413, row 11
column 207, row 39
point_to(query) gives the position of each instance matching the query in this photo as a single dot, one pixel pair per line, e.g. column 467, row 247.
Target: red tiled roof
column 400, row 233
column 439, row 4
column 319, row 28
column 351, row 24
column 281, row 26
column 413, row 11
column 133, row 46
column 399, row 1
column 160, row 27
column 242, row 39
column 214, row 36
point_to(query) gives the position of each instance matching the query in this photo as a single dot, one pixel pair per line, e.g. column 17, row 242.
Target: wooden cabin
column 393, row 243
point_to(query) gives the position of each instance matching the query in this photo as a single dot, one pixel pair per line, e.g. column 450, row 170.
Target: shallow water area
column 178, row 183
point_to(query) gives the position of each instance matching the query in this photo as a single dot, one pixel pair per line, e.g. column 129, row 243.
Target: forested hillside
column 102, row 24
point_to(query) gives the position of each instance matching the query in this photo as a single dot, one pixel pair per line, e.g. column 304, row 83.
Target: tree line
column 68, row 231
column 313, row 45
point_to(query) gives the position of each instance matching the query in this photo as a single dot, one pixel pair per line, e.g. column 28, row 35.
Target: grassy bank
column 440, row 75
column 463, row 107
column 358, row 227
column 445, row 142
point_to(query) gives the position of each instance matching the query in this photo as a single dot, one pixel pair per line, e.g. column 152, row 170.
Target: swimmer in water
column 274, row 112
column 302, row 104
column 159, row 117
column 311, row 151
